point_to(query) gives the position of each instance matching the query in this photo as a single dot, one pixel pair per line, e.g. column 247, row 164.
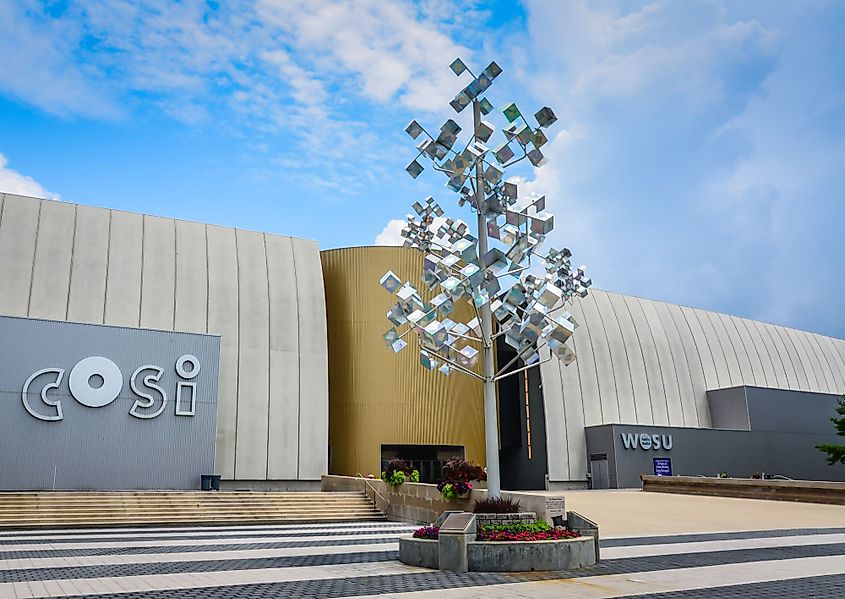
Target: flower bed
column 427, row 532
column 557, row 534
column 536, row 530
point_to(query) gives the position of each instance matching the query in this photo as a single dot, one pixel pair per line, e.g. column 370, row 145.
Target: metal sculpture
column 512, row 281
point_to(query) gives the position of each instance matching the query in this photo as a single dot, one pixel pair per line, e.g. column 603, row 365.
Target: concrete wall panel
column 191, row 278
column 627, row 408
column 223, row 320
column 18, row 232
column 254, row 358
column 689, row 417
column 605, row 375
column 87, row 297
column 555, row 415
column 657, row 394
column 635, row 359
column 313, row 366
column 53, row 259
column 126, row 258
column 674, row 415
column 283, row 444
column 158, row 277
column 694, row 361
column 757, row 351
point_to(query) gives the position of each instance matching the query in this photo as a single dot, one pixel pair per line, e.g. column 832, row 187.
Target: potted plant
column 458, row 475
column 399, row 471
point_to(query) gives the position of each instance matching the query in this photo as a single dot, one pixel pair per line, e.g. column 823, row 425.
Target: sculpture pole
column 491, row 416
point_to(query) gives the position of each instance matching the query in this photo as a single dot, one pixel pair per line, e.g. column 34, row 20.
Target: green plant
column 399, row 471
column 836, row 453
column 499, row 505
column 533, row 526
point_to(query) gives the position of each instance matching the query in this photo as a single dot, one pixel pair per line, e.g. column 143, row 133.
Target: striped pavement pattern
column 359, row 559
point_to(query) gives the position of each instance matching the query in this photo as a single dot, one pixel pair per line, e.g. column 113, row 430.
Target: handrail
column 370, row 485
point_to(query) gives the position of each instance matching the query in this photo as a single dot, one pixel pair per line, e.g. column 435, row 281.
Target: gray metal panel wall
column 94, row 265
column 669, row 357
column 103, row 447
column 707, row 452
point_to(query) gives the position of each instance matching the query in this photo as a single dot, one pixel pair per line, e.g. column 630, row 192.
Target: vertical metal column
column 491, row 425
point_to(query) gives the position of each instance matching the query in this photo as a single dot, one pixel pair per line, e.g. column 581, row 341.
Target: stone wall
column 422, row 503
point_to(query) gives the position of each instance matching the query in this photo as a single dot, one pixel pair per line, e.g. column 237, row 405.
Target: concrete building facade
column 307, row 386
column 261, row 293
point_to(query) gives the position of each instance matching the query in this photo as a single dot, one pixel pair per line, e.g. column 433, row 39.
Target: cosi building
column 140, row 352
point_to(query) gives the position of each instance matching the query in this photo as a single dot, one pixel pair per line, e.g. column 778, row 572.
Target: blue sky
column 699, row 157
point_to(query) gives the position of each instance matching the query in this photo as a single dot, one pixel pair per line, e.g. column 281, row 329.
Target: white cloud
column 391, row 234
column 11, row 181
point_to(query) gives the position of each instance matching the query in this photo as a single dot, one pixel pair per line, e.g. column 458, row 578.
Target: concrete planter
column 533, row 556
column 419, row 552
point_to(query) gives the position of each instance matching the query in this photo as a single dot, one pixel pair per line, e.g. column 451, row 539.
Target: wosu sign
column 646, row 441
column 101, row 407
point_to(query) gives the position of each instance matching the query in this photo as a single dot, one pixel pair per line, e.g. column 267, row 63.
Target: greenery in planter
column 498, row 505
column 399, row 471
column 537, row 530
column 457, row 476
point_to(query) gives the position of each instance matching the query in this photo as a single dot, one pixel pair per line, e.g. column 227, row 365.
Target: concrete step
column 33, row 509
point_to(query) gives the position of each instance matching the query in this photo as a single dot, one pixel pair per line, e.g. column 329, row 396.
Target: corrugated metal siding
column 376, row 396
column 84, row 264
column 105, row 447
column 683, row 353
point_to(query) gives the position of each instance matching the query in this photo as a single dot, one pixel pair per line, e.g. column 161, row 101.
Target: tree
column 836, row 453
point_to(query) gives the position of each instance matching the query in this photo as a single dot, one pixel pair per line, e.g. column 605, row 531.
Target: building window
column 428, row 459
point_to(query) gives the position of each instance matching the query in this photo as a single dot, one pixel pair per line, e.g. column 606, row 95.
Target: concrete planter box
column 419, row 552
column 534, row 556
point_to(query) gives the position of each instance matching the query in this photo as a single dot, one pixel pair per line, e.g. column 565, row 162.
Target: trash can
column 215, row 481
column 205, row 482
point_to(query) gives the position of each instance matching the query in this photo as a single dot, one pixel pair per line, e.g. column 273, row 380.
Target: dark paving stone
column 719, row 536
column 433, row 580
column 818, row 587
column 201, row 538
column 388, row 538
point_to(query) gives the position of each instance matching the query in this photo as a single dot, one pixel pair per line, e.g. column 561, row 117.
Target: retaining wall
column 779, row 490
column 422, row 503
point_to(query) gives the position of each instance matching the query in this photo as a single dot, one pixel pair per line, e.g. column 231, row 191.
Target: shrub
column 517, row 527
column 427, row 532
column 461, row 470
column 399, row 471
column 499, row 505
column 451, row 490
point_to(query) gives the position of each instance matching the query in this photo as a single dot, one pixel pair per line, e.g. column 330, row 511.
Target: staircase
column 59, row 509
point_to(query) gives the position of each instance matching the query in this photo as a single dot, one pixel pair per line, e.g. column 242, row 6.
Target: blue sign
column 663, row 466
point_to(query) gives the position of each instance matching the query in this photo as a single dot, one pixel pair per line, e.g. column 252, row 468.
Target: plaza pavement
column 798, row 557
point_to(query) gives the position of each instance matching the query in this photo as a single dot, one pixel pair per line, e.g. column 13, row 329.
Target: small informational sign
column 457, row 522
column 555, row 506
column 663, row 466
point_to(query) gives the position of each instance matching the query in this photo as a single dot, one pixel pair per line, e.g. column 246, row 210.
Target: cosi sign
column 646, row 441
column 96, row 382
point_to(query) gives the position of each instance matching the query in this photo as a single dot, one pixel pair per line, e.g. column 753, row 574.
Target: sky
column 699, row 155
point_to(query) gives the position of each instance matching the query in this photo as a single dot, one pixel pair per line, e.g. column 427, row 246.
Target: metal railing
column 369, row 485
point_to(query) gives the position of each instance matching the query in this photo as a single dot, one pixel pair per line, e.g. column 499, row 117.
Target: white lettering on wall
column 96, row 382
column 646, row 442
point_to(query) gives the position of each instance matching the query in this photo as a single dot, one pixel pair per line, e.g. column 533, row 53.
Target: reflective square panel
column 390, row 281
column 486, row 106
column 414, row 129
column 545, row 116
column 458, row 66
column 511, row 112
column 414, row 169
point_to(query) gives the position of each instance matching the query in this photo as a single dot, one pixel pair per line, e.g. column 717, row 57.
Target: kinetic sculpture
column 512, row 281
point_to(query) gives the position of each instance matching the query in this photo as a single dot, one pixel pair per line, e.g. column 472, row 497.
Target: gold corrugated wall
column 375, row 396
